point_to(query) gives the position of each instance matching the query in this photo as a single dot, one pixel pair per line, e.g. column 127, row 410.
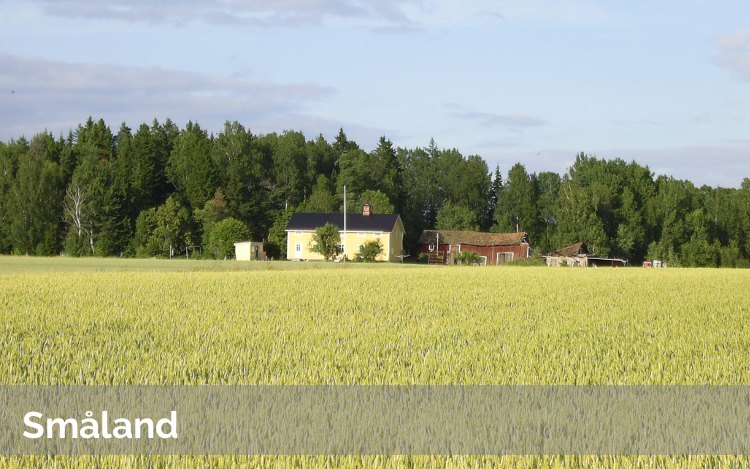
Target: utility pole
column 437, row 244
column 344, row 243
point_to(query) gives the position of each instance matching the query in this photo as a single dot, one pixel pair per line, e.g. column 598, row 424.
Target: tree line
column 160, row 190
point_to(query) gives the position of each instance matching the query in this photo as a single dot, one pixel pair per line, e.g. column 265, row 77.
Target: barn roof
column 475, row 238
column 577, row 249
column 354, row 221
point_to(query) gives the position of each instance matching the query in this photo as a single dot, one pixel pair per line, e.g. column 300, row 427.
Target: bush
column 529, row 262
column 223, row 236
column 423, row 258
column 326, row 241
column 370, row 251
column 469, row 258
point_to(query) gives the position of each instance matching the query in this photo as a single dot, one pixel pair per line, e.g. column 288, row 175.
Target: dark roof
column 475, row 238
column 354, row 221
column 577, row 249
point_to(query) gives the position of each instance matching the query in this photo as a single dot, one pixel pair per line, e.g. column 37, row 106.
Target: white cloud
column 488, row 119
column 382, row 15
column 734, row 53
column 234, row 12
column 36, row 94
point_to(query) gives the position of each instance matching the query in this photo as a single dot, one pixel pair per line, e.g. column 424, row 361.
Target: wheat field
column 114, row 322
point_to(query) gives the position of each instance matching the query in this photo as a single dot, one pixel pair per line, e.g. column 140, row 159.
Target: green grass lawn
column 17, row 264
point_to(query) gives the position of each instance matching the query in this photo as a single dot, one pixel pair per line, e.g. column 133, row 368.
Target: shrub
column 370, row 251
column 223, row 236
column 469, row 258
column 326, row 241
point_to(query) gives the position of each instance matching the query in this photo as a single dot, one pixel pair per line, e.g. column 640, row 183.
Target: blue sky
column 665, row 83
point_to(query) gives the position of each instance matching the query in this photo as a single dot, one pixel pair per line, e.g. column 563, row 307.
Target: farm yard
column 191, row 322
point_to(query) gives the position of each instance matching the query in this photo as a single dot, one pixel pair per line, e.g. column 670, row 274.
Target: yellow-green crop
column 430, row 325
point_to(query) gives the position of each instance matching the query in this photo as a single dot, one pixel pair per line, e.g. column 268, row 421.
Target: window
column 361, row 233
column 361, row 247
column 298, row 232
column 341, row 248
column 298, row 248
column 432, row 247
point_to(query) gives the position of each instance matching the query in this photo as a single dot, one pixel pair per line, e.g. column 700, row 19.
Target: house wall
column 395, row 243
column 242, row 251
column 354, row 240
column 520, row 251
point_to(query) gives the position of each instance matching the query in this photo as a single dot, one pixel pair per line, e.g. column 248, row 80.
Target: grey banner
column 338, row 420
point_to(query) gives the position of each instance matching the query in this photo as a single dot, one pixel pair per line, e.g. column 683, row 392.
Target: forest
column 162, row 191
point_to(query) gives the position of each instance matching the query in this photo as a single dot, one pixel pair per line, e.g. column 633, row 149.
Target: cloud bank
column 235, row 12
column 734, row 54
column 36, row 94
column 488, row 119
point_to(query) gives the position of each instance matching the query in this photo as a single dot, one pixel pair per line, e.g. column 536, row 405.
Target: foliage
column 223, row 236
column 163, row 231
column 533, row 261
column 34, row 201
column 212, row 212
column 377, row 200
column 190, row 168
column 94, row 192
column 276, row 245
column 325, row 241
column 322, row 199
column 456, row 217
column 516, row 203
column 370, row 251
column 468, row 258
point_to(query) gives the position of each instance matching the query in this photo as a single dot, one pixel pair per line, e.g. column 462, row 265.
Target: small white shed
column 249, row 251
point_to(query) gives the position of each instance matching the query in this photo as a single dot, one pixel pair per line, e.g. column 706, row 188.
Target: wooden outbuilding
column 578, row 255
column 442, row 246
column 249, row 251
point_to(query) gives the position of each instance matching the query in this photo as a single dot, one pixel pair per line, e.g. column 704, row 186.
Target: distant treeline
column 161, row 189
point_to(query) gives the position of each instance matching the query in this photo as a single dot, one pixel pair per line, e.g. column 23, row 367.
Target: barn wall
column 520, row 251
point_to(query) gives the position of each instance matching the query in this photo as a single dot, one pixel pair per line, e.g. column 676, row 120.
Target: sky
column 661, row 82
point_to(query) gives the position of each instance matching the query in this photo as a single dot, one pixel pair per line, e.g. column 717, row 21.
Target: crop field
column 187, row 322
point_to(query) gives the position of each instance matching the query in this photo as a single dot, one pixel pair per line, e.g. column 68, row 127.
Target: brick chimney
column 366, row 210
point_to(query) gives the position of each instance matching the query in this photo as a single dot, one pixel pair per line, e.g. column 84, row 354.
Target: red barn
column 495, row 248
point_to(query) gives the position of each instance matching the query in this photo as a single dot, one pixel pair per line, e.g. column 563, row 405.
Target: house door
column 298, row 251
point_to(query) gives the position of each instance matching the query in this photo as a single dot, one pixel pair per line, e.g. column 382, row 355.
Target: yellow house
column 360, row 228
